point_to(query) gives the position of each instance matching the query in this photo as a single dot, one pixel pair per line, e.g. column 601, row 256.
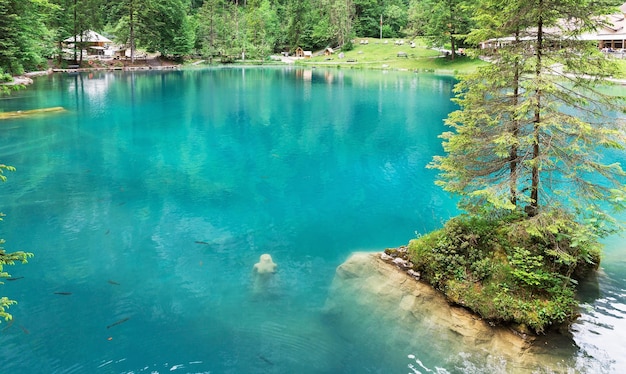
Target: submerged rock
column 373, row 292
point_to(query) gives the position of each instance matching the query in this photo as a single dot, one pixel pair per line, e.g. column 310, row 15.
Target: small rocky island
column 377, row 286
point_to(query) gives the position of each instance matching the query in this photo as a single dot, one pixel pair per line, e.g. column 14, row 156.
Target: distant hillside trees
column 33, row 30
column 368, row 13
column 157, row 25
column 215, row 20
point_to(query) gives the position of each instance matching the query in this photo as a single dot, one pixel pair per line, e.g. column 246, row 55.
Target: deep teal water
column 152, row 197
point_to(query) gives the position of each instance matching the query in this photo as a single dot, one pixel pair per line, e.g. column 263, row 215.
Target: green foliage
column 509, row 268
column 531, row 135
column 8, row 258
column 442, row 22
column 3, row 167
column 348, row 46
column 262, row 28
column 367, row 18
column 528, row 269
column 298, row 15
column 166, row 27
column 5, row 77
column 33, row 30
column 455, row 252
column 395, row 19
column 23, row 36
column 215, row 21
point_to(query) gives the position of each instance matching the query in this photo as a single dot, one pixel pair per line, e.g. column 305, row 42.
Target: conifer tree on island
column 532, row 157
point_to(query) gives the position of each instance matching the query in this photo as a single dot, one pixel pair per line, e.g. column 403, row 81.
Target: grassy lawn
column 383, row 54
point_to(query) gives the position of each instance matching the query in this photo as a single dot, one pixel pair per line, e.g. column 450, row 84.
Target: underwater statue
column 263, row 275
column 265, row 265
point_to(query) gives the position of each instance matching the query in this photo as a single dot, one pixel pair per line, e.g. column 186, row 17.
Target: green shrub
column 507, row 267
column 5, row 77
column 347, row 46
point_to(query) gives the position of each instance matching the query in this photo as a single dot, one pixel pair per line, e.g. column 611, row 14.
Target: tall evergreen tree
column 533, row 123
column 158, row 25
column 214, row 28
column 166, row 27
column 262, row 26
column 395, row 15
column 297, row 25
column 367, row 18
column 341, row 13
column 441, row 22
column 128, row 21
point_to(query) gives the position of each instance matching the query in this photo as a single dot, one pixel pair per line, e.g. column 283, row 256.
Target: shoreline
column 117, row 68
column 26, row 78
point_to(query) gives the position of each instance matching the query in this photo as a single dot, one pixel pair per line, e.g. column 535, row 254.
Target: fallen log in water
column 25, row 113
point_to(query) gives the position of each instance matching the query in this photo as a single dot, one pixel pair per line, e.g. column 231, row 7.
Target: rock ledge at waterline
column 377, row 289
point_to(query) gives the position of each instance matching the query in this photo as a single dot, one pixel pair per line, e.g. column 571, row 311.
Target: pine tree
column 533, row 126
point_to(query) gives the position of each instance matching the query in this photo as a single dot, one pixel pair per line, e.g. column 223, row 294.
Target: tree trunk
column 82, row 44
column 132, row 34
column 514, row 130
column 75, row 33
column 453, row 47
column 212, row 36
column 534, row 189
column 60, row 59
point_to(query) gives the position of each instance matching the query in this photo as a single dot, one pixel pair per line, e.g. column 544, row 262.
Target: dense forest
column 31, row 31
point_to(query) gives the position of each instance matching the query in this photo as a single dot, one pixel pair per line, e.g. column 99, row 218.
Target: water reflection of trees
column 232, row 139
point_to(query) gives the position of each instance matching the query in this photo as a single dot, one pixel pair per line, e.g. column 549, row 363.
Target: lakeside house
column 302, row 53
column 610, row 36
column 90, row 41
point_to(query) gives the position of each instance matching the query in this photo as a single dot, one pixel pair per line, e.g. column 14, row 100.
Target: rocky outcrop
column 27, row 78
column 367, row 287
column 20, row 80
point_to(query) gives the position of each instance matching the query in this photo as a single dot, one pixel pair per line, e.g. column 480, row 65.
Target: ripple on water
column 601, row 331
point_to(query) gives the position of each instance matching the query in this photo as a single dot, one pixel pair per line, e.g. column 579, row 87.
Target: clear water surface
column 149, row 200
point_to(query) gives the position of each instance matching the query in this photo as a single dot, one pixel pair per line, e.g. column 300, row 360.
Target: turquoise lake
column 150, row 198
